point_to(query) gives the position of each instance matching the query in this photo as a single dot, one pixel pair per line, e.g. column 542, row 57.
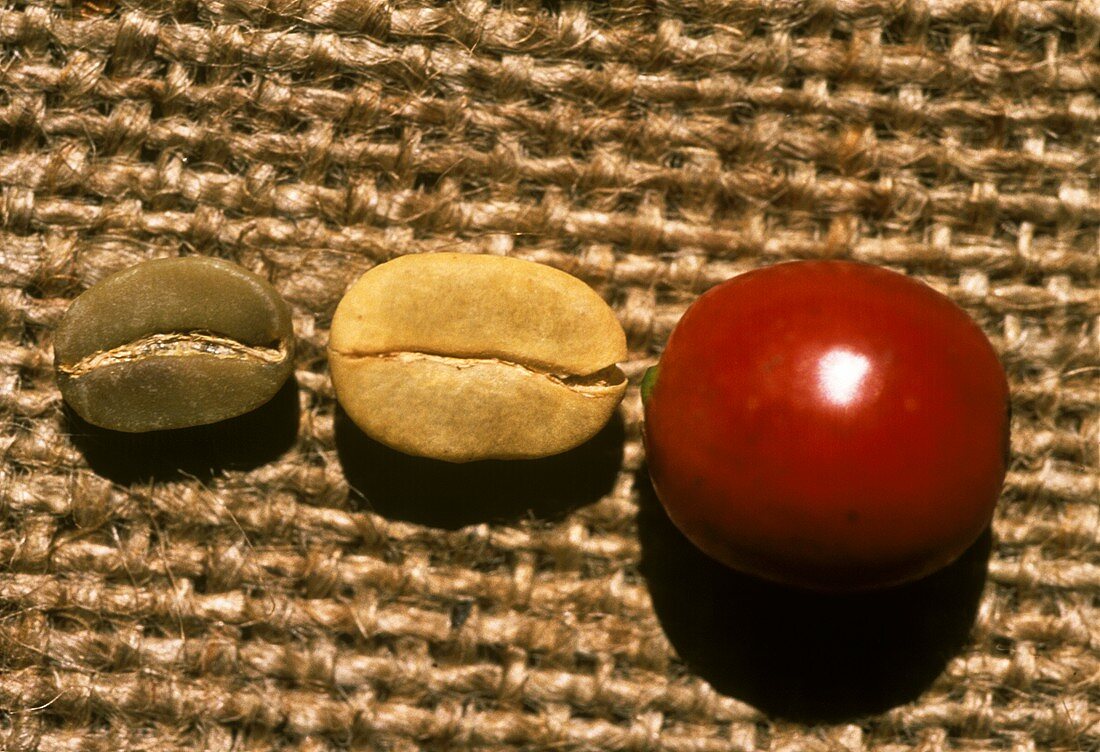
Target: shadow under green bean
column 241, row 443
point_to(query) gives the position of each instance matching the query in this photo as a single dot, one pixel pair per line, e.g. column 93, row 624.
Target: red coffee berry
column 829, row 425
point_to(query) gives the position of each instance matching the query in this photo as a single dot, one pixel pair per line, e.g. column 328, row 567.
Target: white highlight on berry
column 840, row 374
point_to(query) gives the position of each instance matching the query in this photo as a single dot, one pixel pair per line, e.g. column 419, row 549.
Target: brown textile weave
column 279, row 582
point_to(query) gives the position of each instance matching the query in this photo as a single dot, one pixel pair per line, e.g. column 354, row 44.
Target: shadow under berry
column 806, row 656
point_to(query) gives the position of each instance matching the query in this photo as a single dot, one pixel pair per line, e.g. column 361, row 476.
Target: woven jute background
column 279, row 582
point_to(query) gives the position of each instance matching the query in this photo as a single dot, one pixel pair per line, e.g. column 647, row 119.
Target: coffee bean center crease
column 592, row 384
column 177, row 344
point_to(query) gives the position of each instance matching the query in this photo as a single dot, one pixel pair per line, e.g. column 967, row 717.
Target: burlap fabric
column 279, row 582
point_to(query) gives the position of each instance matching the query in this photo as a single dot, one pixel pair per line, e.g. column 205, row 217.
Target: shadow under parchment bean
column 451, row 496
column 241, row 443
column 805, row 656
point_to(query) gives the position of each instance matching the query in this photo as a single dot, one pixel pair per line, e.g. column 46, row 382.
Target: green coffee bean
column 461, row 357
column 173, row 343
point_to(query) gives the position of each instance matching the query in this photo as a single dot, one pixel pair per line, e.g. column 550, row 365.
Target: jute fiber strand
column 280, row 583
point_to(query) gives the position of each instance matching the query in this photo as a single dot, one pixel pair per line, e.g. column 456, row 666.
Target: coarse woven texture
column 280, row 583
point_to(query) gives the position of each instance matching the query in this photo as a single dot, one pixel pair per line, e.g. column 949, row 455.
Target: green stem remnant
column 649, row 381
